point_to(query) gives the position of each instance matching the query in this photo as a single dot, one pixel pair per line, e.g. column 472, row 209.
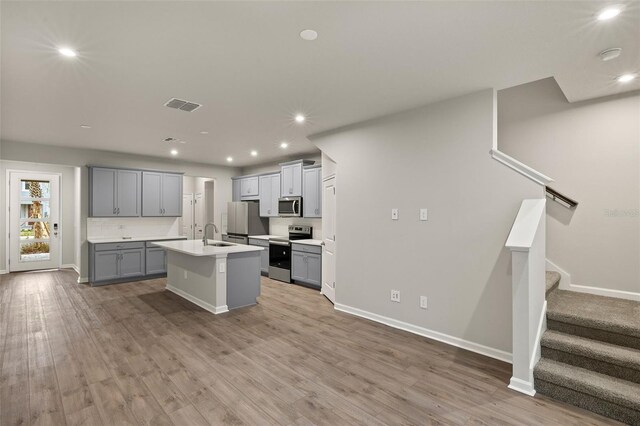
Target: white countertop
column 308, row 242
column 196, row 248
column 266, row 237
column 98, row 240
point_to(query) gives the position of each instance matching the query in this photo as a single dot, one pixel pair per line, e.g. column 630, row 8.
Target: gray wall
column 435, row 157
column 592, row 151
column 68, row 204
column 48, row 154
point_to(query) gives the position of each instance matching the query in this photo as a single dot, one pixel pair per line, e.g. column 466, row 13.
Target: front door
column 329, row 238
column 34, row 221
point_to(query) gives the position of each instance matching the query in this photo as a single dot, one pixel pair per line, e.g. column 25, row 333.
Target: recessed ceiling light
column 299, row 118
column 308, row 35
column 283, row 145
column 174, row 152
column 67, row 52
column 609, row 12
column 625, row 78
column 229, row 159
column 85, row 126
column 254, row 153
column 204, row 132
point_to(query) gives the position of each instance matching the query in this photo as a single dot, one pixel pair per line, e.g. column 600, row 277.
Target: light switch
column 221, row 268
column 423, row 214
column 394, row 214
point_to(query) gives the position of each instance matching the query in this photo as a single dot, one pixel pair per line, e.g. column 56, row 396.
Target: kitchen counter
column 215, row 278
column 100, row 240
column 196, row 248
column 266, row 237
column 308, row 242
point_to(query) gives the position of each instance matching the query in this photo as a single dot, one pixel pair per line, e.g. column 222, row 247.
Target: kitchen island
column 217, row 277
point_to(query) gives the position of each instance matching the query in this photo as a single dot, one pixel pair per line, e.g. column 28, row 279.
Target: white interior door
column 198, row 215
column 34, row 221
column 329, row 239
column 186, row 222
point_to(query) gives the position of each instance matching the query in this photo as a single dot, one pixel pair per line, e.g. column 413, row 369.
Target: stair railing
column 561, row 198
column 527, row 244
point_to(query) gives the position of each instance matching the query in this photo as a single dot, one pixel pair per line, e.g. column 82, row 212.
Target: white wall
column 68, row 205
column 592, row 151
column 435, row 157
column 18, row 151
column 274, row 166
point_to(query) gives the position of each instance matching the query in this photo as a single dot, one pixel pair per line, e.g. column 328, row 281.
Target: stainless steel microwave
column 290, row 207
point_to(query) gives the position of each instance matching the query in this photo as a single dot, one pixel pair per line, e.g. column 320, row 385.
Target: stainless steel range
column 280, row 252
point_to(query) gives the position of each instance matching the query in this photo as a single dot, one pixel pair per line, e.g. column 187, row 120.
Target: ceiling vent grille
column 182, row 105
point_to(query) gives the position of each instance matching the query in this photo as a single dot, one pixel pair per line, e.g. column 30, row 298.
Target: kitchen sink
column 220, row 244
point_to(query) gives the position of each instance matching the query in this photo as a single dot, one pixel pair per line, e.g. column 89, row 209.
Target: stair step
column 601, row 357
column 553, row 280
column 601, row 318
column 612, row 397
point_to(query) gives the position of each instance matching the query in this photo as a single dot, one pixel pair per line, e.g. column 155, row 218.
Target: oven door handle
column 278, row 243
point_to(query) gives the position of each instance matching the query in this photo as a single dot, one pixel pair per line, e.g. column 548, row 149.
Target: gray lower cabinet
column 114, row 192
column 264, row 254
column 125, row 261
column 306, row 264
column 156, row 261
column 116, row 261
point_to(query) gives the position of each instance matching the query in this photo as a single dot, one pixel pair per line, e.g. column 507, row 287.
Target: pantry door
column 34, row 221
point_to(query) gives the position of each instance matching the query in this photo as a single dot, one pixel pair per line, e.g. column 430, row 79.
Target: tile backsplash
column 280, row 225
column 132, row 227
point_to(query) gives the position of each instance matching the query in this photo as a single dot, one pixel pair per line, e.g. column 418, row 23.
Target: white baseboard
column 521, row 386
column 204, row 305
column 431, row 334
column 70, row 266
column 565, row 277
column 598, row 291
column 3, row 271
column 83, row 280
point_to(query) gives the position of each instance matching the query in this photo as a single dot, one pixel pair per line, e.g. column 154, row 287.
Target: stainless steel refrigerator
column 243, row 219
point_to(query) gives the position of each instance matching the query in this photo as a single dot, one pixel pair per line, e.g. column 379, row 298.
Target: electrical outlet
column 423, row 302
column 424, row 214
column 395, row 296
column 394, row 214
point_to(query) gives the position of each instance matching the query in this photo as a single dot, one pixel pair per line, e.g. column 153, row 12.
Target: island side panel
column 243, row 279
column 196, row 278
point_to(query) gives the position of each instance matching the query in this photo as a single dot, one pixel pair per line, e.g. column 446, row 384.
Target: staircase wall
column 592, row 151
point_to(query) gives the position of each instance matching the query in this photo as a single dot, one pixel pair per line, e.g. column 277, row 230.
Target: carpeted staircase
column 591, row 353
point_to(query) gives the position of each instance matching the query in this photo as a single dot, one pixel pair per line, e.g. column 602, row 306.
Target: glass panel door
column 34, row 231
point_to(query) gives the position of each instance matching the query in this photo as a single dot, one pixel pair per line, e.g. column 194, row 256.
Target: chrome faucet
column 204, row 237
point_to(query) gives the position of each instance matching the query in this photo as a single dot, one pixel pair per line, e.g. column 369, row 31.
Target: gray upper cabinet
column 249, row 188
column 291, row 178
column 161, row 194
column 269, row 194
column 236, row 190
column 114, row 192
column 312, row 191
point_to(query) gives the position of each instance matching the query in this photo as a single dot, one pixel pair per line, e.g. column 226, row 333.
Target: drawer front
column 306, row 248
column 258, row 242
column 119, row 246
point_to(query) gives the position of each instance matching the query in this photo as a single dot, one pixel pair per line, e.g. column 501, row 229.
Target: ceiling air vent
column 182, row 105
